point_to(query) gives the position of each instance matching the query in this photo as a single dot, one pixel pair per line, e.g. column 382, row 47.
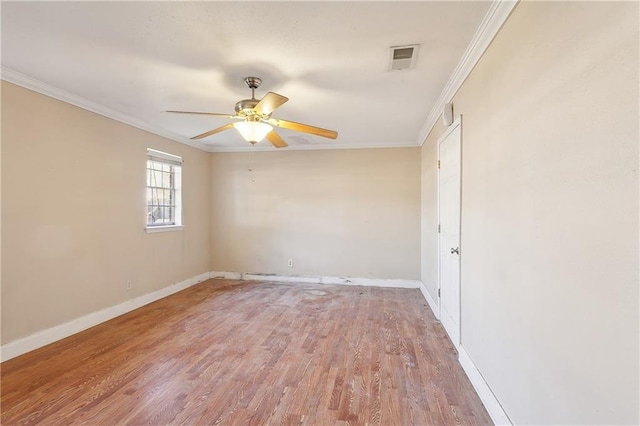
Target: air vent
column 403, row 57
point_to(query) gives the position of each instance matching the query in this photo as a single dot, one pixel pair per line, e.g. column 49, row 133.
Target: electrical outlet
column 290, row 263
column 129, row 285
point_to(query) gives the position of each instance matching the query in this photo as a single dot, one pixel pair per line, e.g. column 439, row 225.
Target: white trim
column 226, row 275
column 447, row 132
column 491, row 403
column 331, row 145
column 163, row 156
column 489, row 27
column 370, row 282
column 489, row 400
column 168, row 228
column 42, row 338
column 30, row 83
column 45, row 337
column 432, row 303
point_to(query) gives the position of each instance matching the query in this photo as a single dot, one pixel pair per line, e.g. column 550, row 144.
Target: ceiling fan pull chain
column 251, row 163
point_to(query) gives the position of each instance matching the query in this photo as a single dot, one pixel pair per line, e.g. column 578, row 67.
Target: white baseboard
column 432, row 303
column 226, row 275
column 491, row 403
column 45, row 337
column 371, row 282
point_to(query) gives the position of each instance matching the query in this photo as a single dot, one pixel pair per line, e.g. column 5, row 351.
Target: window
column 164, row 191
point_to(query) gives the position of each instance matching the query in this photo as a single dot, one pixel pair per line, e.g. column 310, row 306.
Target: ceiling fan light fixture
column 253, row 131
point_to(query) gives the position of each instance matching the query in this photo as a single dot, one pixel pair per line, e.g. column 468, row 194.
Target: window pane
column 156, row 178
column 166, row 180
column 151, row 215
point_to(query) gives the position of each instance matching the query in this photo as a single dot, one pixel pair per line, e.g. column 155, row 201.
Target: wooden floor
column 242, row 352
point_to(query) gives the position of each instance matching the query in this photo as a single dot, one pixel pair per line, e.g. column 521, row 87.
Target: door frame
column 457, row 123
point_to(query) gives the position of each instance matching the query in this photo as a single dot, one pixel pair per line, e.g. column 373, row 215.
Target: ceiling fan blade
column 269, row 103
column 276, row 140
column 214, row 131
column 204, row 113
column 292, row 125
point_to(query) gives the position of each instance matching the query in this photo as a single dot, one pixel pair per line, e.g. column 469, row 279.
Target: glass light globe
column 252, row 131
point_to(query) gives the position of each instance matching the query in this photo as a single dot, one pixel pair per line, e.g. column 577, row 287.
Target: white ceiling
column 135, row 60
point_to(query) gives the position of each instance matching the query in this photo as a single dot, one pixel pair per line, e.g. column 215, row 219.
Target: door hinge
column 438, row 292
column 438, row 228
column 438, row 163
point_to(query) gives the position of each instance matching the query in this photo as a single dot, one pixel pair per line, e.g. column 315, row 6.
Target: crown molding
column 264, row 147
column 41, row 87
column 489, row 27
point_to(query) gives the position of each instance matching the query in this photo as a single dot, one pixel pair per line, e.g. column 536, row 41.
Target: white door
column 449, row 236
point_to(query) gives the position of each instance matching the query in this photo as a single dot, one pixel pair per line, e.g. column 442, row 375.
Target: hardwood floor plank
column 250, row 353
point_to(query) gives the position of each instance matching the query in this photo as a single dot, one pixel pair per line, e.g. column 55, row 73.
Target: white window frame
column 175, row 190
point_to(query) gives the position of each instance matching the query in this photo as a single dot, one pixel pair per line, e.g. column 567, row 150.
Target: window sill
column 168, row 228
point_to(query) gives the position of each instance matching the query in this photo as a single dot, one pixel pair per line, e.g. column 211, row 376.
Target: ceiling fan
column 255, row 118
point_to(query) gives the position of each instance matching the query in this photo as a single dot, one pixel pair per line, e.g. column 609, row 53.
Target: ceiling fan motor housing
column 246, row 106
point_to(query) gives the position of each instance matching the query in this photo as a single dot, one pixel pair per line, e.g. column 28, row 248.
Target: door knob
column 455, row 250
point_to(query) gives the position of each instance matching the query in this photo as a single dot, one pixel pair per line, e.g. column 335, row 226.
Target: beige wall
column 73, row 236
column 349, row 213
column 73, row 212
column 549, row 246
